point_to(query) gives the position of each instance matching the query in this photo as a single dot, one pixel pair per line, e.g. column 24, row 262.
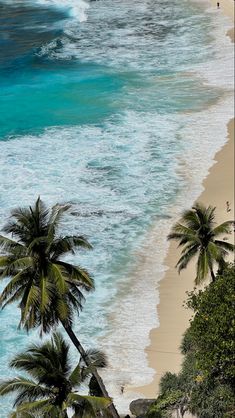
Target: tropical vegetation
column 50, row 387
column 49, row 290
column 205, row 385
column 200, row 237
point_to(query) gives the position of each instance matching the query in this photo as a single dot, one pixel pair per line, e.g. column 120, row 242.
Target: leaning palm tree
column 200, row 237
column 50, row 388
column 49, row 289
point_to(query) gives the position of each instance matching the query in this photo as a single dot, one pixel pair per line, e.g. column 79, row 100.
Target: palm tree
column 199, row 237
column 48, row 289
column 51, row 388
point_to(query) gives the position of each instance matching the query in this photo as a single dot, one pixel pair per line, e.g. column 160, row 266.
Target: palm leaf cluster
column 50, row 389
column 200, row 236
column 48, row 288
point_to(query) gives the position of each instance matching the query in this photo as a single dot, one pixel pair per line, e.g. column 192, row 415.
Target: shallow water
column 107, row 106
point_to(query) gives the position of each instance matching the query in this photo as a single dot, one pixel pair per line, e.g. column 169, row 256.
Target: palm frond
column 29, row 304
column 75, row 377
column 62, row 350
column 44, row 407
column 75, row 296
column 190, row 219
column 10, row 245
column 204, row 214
column 18, row 281
column 56, row 275
column 68, row 244
column 202, row 266
column 63, row 310
column 90, row 404
column 45, row 294
column 225, row 245
column 78, row 275
column 16, row 296
column 13, row 266
column 186, row 258
column 55, row 218
column 26, row 389
column 224, row 228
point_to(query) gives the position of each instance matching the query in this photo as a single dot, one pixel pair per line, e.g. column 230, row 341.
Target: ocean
column 117, row 107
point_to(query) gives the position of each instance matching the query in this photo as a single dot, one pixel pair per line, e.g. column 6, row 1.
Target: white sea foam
column 76, row 8
column 146, row 47
column 134, row 313
column 43, row 165
column 133, row 321
column 109, row 171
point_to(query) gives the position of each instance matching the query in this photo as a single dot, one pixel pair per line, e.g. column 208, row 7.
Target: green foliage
column 212, row 328
column 52, row 385
column 210, row 399
column 39, row 278
column 168, row 382
column 164, row 403
column 187, row 344
column 200, row 237
column 48, row 289
column 205, row 384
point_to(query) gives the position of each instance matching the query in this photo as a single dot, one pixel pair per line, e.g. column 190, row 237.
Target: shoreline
column 174, row 319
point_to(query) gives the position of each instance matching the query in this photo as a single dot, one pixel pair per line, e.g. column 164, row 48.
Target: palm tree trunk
column 82, row 352
column 212, row 274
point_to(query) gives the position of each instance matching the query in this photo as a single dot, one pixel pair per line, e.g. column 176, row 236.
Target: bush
column 205, row 385
column 212, row 329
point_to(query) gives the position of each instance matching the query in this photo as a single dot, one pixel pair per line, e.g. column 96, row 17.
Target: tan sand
column 163, row 352
column 227, row 7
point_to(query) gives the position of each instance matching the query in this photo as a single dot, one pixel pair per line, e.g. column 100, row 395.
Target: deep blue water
column 104, row 107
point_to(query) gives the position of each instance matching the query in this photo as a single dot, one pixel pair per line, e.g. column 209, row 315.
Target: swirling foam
column 77, row 8
column 97, row 168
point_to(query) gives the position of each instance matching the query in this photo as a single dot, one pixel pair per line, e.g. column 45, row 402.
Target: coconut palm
column 50, row 388
column 199, row 236
column 49, row 289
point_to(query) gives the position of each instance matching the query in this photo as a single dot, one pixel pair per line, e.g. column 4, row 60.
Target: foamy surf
column 77, row 9
column 126, row 175
column 134, row 313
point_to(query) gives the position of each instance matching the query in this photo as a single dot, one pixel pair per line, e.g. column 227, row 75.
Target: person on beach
column 218, row 5
column 228, row 206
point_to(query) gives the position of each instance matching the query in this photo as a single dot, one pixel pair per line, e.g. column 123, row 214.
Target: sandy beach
column 163, row 351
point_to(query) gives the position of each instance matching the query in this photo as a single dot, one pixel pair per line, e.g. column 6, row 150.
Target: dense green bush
column 210, row 399
column 205, row 384
column 165, row 403
column 212, row 329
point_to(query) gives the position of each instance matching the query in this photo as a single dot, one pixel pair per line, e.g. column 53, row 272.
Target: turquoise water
column 105, row 105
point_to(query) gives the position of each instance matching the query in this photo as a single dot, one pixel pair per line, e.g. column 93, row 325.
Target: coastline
column 174, row 318
column 163, row 352
column 227, row 7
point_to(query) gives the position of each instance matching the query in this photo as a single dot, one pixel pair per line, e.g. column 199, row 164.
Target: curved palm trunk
column 82, row 352
column 212, row 274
